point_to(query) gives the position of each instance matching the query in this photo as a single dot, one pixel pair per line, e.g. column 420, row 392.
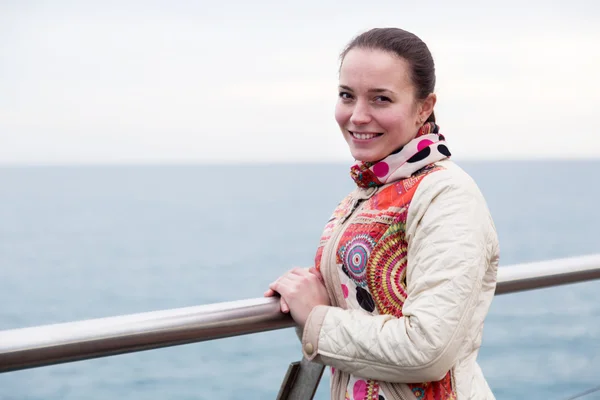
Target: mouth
column 364, row 135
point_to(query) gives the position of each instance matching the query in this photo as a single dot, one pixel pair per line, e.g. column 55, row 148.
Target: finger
column 274, row 285
column 292, row 281
column 285, row 308
column 280, row 285
column 269, row 293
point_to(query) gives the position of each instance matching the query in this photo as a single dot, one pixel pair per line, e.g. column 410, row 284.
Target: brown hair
column 405, row 45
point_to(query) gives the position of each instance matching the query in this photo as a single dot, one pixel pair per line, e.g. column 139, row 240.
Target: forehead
column 368, row 68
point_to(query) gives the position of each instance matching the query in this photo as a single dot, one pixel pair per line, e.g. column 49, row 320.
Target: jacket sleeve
column 451, row 239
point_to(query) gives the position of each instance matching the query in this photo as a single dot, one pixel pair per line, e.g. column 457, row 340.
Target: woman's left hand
column 302, row 289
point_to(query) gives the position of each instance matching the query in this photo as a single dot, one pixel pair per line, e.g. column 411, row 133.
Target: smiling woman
column 406, row 267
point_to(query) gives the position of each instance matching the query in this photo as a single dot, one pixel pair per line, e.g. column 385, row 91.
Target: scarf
column 427, row 147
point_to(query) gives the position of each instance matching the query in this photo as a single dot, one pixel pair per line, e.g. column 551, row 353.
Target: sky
column 128, row 82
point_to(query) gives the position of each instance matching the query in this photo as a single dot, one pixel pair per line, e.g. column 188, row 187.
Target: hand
column 283, row 304
column 301, row 290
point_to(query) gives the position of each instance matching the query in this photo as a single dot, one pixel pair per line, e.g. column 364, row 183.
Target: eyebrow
column 374, row 90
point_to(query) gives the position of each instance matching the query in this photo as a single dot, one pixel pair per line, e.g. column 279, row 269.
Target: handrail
column 72, row 341
column 52, row 344
column 542, row 274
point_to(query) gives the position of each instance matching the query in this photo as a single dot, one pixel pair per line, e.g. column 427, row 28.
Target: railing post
column 301, row 381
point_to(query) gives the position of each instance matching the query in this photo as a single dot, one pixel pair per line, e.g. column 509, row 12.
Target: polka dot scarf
column 426, row 148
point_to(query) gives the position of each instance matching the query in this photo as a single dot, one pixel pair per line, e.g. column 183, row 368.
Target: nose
column 360, row 114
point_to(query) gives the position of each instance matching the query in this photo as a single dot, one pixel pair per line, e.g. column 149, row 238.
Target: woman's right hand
column 285, row 308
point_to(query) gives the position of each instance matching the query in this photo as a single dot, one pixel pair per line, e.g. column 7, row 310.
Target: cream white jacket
column 452, row 262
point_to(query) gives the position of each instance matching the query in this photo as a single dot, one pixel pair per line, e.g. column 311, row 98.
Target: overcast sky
column 198, row 81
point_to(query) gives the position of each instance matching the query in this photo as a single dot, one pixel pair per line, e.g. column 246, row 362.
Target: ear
column 426, row 107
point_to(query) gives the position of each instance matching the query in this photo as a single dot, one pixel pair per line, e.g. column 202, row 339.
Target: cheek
column 394, row 120
column 342, row 114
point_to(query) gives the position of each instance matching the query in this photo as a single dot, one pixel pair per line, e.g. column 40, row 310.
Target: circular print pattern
column 420, row 155
column 360, row 389
column 355, row 255
column 444, row 150
column 365, row 300
column 381, row 169
column 387, row 280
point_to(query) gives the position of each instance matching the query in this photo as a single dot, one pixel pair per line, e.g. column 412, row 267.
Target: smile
column 364, row 135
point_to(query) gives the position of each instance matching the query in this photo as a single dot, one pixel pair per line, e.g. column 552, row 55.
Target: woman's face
column 377, row 110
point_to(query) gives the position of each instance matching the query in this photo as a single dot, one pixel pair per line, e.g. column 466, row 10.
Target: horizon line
column 183, row 163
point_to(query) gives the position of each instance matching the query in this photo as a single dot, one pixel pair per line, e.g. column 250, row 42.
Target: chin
column 366, row 156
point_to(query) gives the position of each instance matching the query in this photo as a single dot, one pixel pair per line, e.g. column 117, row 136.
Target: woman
column 406, row 268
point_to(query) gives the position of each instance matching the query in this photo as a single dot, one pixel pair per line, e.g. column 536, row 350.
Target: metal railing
column 542, row 274
column 72, row 341
column 66, row 342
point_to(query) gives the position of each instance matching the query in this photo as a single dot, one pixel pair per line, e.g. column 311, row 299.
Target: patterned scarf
column 426, row 148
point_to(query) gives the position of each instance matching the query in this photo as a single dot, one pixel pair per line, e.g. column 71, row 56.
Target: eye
column 345, row 96
column 382, row 99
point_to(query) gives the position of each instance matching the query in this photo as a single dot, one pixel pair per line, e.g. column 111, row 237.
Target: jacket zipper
column 397, row 392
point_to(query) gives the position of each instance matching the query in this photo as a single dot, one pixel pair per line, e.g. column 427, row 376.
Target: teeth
column 364, row 136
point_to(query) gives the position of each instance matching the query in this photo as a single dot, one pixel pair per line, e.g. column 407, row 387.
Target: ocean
column 97, row 241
